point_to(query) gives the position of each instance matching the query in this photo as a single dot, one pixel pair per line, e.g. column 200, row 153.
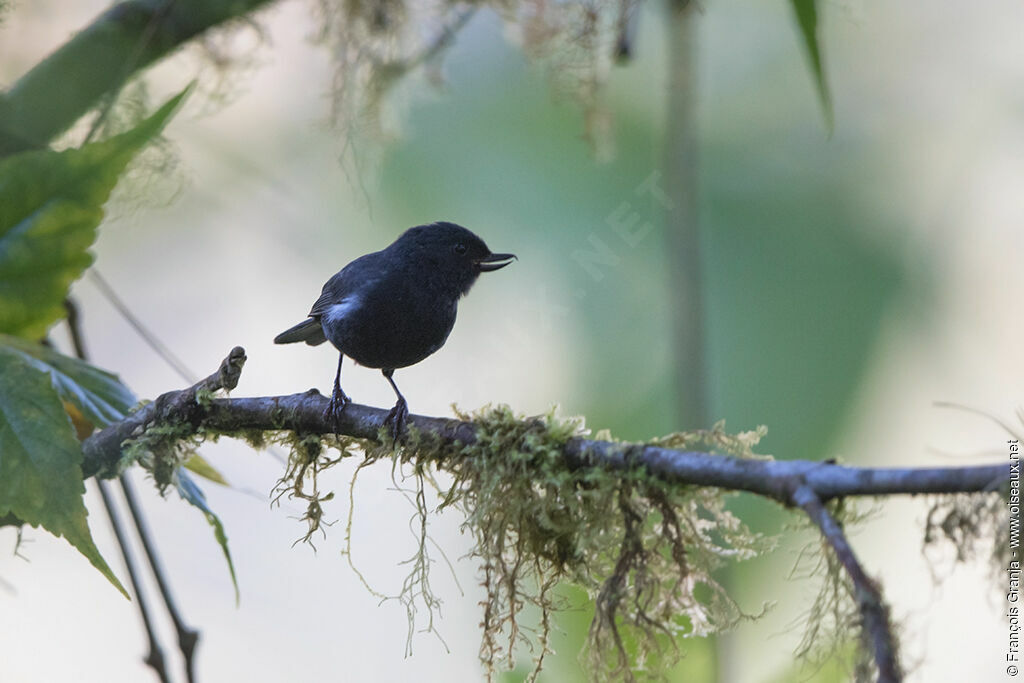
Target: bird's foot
column 396, row 420
column 336, row 407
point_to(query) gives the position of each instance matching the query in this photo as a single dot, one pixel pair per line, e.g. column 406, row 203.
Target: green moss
column 204, row 397
column 256, row 438
column 644, row 550
column 640, row 547
column 308, row 456
column 161, row 450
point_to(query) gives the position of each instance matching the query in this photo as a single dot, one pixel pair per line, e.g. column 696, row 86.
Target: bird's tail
column 309, row 331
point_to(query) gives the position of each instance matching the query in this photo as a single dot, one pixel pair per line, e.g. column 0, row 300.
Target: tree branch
column 775, row 479
column 102, row 450
column 99, row 60
column 866, row 592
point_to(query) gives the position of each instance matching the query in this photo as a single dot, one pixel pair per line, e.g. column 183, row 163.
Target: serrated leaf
column 807, row 17
column 40, row 459
column 99, row 394
column 197, row 464
column 190, row 491
column 50, row 205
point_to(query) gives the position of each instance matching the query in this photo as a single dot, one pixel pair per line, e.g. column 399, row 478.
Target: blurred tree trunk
column 685, row 272
column 681, row 218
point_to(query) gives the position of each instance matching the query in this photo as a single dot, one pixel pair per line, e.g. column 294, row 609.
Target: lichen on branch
column 645, row 550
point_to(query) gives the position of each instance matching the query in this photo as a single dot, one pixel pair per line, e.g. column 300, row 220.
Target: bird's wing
column 347, row 282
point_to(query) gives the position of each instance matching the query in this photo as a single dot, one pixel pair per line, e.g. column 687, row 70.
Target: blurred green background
column 850, row 280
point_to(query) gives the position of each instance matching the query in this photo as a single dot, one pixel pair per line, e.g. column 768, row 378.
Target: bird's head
column 454, row 253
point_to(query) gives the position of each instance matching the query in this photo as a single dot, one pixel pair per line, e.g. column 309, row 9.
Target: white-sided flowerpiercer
column 394, row 307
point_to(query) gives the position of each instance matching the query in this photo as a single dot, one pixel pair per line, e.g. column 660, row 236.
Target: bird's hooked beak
column 494, row 262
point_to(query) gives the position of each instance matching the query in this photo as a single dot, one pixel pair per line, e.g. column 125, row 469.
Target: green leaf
column 100, row 395
column 190, row 491
column 197, row 464
column 50, row 205
column 807, row 17
column 40, row 459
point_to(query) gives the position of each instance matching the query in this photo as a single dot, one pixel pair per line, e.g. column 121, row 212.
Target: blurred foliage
column 807, row 20
column 50, row 205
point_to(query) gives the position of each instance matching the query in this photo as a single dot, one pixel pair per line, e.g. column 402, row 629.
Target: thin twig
column 147, row 336
column 155, row 658
column 75, row 328
column 876, row 626
column 188, row 637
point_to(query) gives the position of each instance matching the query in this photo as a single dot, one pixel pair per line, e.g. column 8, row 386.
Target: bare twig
column 876, row 626
column 188, row 637
column 155, row 658
column 144, row 332
column 75, row 328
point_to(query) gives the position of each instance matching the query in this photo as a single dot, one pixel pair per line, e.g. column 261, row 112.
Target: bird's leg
column 338, row 398
column 399, row 413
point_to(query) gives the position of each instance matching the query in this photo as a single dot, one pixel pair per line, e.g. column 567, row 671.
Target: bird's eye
column 459, row 249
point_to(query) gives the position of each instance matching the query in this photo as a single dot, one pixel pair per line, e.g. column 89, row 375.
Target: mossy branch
column 184, row 410
column 773, row 479
column 642, row 527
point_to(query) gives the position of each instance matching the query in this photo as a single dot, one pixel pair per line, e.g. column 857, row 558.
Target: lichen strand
column 373, row 44
column 644, row 550
column 308, row 456
column 968, row 522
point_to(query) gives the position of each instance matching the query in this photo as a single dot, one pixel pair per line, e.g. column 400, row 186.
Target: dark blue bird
column 394, row 307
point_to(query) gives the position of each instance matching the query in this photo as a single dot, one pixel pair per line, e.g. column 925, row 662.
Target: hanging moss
column 645, row 550
column 968, row 522
column 309, row 455
column 161, row 449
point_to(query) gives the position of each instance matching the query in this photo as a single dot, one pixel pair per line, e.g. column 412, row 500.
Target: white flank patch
column 342, row 309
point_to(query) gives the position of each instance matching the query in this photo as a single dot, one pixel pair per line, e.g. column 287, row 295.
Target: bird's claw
column 335, row 407
column 396, row 419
